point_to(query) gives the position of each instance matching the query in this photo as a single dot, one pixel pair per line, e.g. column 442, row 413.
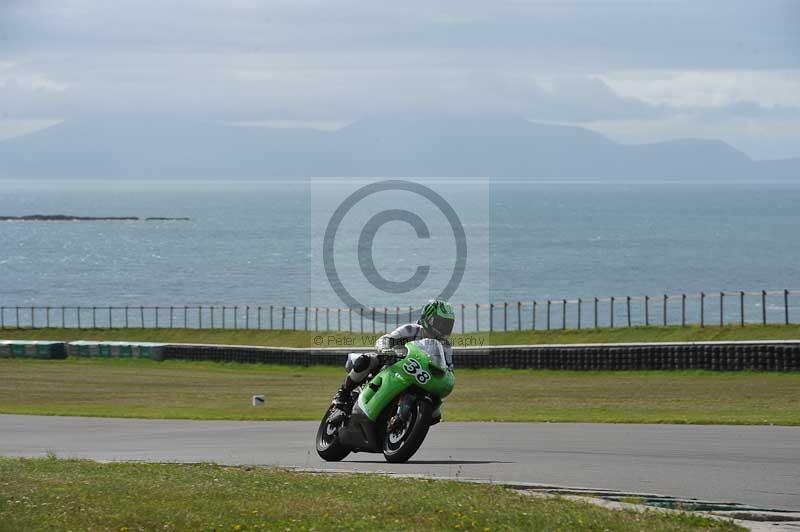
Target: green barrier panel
column 115, row 349
column 32, row 349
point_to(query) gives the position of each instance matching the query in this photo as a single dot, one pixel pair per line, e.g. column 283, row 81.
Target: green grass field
column 288, row 338
column 52, row 494
column 209, row 390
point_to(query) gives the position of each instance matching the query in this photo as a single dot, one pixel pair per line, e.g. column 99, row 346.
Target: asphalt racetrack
column 756, row 465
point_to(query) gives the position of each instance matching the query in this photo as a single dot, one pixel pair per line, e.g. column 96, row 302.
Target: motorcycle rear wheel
column 329, row 448
column 399, row 446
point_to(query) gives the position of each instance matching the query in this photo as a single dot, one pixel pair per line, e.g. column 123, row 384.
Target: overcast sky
column 636, row 71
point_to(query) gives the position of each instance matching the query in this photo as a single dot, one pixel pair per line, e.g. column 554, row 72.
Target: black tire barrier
column 733, row 356
column 256, row 355
column 717, row 356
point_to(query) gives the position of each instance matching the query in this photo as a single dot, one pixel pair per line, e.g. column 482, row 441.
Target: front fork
column 405, row 406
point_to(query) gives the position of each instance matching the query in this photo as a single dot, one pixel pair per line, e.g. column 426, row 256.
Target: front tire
column 400, row 445
column 329, row 448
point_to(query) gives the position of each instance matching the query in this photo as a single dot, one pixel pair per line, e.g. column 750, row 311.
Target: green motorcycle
column 394, row 409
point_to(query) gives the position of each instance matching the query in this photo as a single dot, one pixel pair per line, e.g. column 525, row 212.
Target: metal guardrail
column 706, row 308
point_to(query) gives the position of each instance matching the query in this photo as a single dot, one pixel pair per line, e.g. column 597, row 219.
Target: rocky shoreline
column 69, row 218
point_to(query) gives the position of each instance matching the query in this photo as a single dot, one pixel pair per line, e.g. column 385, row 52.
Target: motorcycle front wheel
column 329, row 448
column 401, row 443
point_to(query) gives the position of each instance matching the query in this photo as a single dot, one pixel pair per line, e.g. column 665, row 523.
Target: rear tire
column 329, row 448
column 400, row 447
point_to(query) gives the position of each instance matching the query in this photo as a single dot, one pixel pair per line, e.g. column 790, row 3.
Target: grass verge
column 52, row 494
column 288, row 338
column 210, row 390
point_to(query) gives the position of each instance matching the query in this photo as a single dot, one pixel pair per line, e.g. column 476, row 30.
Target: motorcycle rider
column 436, row 321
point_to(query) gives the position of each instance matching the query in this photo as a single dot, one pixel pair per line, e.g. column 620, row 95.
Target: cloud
column 580, row 34
column 317, row 61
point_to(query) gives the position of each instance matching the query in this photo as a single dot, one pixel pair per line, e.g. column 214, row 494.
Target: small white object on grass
column 259, row 400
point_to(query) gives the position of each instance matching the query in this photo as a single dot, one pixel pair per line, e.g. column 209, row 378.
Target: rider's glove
column 383, row 344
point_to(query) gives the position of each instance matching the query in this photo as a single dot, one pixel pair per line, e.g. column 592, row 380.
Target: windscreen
column 433, row 348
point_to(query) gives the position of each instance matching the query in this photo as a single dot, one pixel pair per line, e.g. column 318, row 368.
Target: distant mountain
column 488, row 146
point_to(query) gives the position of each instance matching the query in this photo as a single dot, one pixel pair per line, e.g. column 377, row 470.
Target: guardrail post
column 763, row 307
column 477, row 318
column 462, row 318
column 664, row 310
column 702, row 309
column 294, row 318
column 683, row 310
column 283, row 317
column 223, row 316
column 721, row 303
column 596, row 301
column 305, row 319
column 259, row 317
column 271, row 323
column 505, row 316
column 628, row 300
column 786, row 306
column 564, row 314
column 647, row 310
column 580, row 302
column 94, row 317
column 110, row 321
column 611, row 304
column 519, row 315
column 741, row 308
column 533, row 315
column 549, row 304
column 491, row 317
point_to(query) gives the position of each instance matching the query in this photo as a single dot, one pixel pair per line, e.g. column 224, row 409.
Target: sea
column 262, row 243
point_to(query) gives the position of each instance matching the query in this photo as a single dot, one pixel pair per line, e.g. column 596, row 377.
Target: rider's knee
column 359, row 365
